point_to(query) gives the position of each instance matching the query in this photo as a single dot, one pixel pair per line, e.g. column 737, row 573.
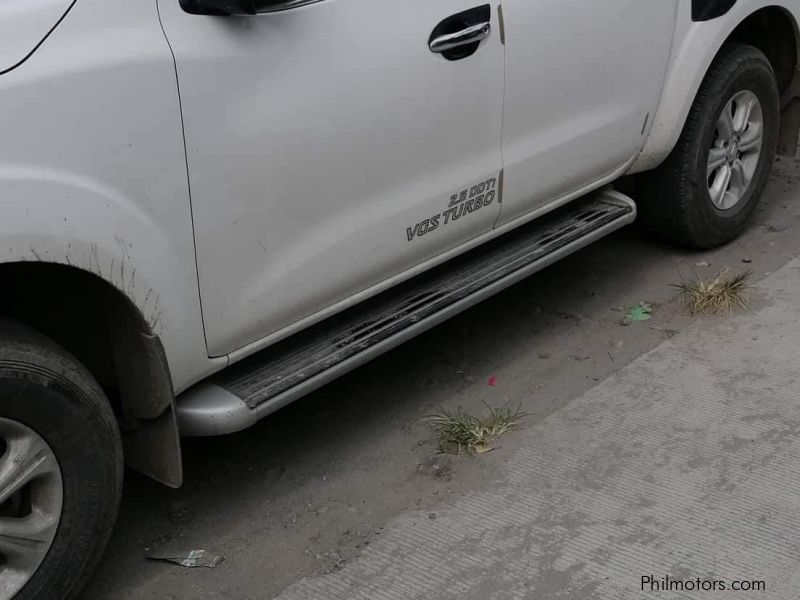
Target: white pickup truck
column 209, row 208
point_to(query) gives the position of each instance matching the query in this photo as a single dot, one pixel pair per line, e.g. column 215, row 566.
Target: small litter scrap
column 190, row 559
column 641, row 312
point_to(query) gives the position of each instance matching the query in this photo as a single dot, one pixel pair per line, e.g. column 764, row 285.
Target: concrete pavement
column 685, row 464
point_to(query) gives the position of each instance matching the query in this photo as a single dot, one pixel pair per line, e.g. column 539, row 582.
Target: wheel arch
column 770, row 27
column 774, row 31
column 116, row 341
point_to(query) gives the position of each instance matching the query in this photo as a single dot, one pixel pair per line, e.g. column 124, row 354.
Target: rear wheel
column 704, row 193
column 60, row 468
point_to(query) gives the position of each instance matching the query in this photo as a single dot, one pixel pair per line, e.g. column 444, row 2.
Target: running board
column 251, row 389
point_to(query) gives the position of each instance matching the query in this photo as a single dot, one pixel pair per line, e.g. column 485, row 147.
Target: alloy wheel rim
column 736, row 150
column 31, row 500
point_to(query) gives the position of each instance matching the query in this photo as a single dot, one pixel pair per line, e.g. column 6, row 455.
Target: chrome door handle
column 468, row 35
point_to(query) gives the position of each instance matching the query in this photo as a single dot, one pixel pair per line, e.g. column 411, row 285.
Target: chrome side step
column 261, row 384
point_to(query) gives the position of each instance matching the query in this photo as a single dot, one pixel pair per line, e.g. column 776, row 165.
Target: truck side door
column 583, row 78
column 329, row 150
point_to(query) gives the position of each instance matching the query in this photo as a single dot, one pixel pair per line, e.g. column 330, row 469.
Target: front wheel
column 704, row 193
column 60, row 468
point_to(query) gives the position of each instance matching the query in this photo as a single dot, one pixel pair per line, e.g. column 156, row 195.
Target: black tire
column 674, row 200
column 48, row 391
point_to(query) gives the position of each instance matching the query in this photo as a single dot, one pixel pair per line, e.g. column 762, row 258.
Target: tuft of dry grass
column 718, row 295
column 459, row 432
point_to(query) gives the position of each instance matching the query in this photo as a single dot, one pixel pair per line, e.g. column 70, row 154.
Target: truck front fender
column 93, row 178
column 56, row 217
column 52, row 219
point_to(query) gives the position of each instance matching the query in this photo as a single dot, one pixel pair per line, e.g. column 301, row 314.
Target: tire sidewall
column 756, row 76
column 87, row 451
